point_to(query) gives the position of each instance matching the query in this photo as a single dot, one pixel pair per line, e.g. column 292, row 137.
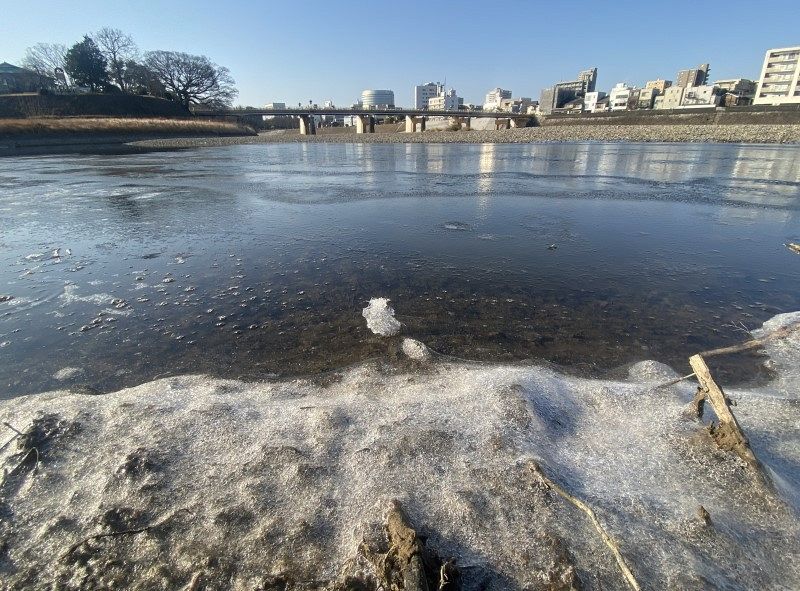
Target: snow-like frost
column 414, row 349
column 380, row 317
column 288, row 478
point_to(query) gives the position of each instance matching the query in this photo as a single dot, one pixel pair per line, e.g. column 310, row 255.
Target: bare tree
column 192, row 79
column 118, row 49
column 44, row 58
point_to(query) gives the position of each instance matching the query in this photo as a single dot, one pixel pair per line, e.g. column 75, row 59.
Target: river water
column 253, row 261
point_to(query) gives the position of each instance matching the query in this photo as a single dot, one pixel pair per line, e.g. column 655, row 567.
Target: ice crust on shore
column 287, row 478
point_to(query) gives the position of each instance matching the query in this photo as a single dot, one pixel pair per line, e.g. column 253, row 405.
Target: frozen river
column 253, row 261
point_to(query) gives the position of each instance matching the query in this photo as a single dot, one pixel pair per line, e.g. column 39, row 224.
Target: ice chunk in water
column 380, row 317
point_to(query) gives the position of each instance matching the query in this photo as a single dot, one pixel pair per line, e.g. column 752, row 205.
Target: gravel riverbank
column 746, row 134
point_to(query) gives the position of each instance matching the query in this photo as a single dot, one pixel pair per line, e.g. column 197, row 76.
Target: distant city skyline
column 322, row 51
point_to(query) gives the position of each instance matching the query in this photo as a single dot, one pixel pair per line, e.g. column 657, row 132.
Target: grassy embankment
column 118, row 126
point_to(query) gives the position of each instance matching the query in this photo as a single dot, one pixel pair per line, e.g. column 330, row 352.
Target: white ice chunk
column 380, row 317
column 416, row 350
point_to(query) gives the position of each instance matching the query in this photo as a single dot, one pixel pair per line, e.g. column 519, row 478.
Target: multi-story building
column 560, row 94
column 494, row 98
column 737, row 91
column 700, row 96
column 446, row 101
column 642, row 98
column 425, row 92
column 619, row 96
column 589, row 80
column 591, row 99
column 671, row 99
column 660, row 85
column 377, row 99
column 693, row 77
column 779, row 83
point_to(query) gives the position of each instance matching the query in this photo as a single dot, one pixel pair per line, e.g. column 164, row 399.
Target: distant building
column 619, row 96
column 660, row 85
column 494, row 98
column 741, row 86
column 694, row 77
column 602, row 105
column 446, row 101
column 14, row 80
column 642, row 98
column 560, row 94
column 700, row 96
column 671, row 99
column 588, row 78
column 591, row 99
column 275, row 106
column 377, row 99
column 737, row 91
column 779, row 83
column 571, row 107
column 425, row 92
column 518, row 105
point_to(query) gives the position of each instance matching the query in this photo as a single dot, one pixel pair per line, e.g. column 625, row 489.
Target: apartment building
column 619, row 96
column 446, row 101
column 660, row 85
column 779, row 83
column 693, row 77
column 424, row 92
column 494, row 99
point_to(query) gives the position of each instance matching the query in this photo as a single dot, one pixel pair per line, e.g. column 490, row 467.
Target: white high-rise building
column 424, row 92
column 780, row 78
column 494, row 99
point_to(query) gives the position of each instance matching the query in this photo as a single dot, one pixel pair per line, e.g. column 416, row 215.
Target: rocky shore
column 747, row 134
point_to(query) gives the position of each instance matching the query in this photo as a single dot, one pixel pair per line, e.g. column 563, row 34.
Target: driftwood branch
column 754, row 343
column 16, row 431
column 604, row 535
column 675, row 381
column 124, row 532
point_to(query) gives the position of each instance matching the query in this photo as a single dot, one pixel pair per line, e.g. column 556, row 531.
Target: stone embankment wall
column 733, row 116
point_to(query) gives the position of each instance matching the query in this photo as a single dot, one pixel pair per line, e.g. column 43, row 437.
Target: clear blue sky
column 294, row 51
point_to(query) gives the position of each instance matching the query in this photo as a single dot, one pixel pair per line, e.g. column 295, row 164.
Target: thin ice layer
column 287, row 478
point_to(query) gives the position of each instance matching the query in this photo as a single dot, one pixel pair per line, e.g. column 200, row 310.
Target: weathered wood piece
column 410, row 565
column 604, row 535
column 727, row 434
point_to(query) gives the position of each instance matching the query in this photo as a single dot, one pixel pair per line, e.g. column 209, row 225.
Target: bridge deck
column 373, row 112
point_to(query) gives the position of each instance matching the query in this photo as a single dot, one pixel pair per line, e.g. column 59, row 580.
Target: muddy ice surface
column 207, row 483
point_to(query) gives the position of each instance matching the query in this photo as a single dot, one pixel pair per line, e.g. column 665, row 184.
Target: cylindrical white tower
column 377, row 98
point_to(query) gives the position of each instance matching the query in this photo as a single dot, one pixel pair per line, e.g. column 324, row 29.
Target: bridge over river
column 365, row 118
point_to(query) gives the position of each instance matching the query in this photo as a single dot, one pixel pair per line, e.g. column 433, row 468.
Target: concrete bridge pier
column 518, row 122
column 502, row 123
column 463, row 122
column 307, row 125
column 412, row 122
column 365, row 124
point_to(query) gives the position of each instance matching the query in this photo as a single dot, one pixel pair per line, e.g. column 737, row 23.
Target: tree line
column 110, row 61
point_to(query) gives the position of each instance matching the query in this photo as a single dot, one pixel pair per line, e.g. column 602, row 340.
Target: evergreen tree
column 86, row 65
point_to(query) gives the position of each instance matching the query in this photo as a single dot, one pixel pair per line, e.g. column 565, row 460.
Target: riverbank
column 289, row 485
column 745, row 134
column 91, row 134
